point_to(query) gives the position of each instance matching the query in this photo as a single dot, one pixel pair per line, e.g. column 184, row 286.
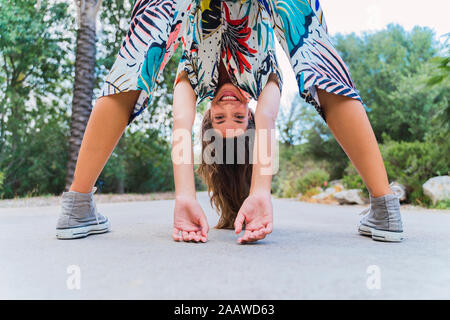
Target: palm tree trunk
column 83, row 89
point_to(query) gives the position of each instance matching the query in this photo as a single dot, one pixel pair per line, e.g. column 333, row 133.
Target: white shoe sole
column 380, row 235
column 82, row 232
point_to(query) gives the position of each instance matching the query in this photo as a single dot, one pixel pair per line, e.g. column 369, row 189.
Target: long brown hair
column 228, row 183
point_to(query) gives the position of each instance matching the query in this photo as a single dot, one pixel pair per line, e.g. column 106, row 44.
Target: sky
column 347, row 16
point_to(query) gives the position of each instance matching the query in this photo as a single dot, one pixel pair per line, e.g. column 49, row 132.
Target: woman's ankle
column 381, row 193
column 80, row 188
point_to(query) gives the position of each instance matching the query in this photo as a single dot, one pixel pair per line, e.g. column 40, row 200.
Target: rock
column 337, row 185
column 350, row 197
column 437, row 188
column 399, row 190
column 325, row 194
column 320, row 196
column 330, row 190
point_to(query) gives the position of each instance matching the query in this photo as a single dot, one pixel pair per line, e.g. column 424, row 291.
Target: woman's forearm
column 183, row 168
column 264, row 151
column 184, row 101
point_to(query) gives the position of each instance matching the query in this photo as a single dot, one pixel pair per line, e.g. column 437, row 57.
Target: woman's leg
column 350, row 125
column 107, row 122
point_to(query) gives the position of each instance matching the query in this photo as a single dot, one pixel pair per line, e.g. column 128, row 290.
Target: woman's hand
column 257, row 213
column 189, row 220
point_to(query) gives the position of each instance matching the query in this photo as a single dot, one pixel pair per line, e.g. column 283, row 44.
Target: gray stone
column 325, row 194
column 351, row 196
column 437, row 188
column 399, row 190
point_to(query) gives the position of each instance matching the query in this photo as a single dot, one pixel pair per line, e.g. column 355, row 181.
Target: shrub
column 442, row 204
column 143, row 162
column 292, row 163
column 413, row 163
column 295, row 165
column 309, row 193
column 313, row 178
column 352, row 179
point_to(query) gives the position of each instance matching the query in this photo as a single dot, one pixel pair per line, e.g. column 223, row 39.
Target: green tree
column 390, row 69
column 386, row 67
column 295, row 121
column 35, row 42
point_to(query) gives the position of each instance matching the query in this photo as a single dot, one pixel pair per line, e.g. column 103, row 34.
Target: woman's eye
column 240, row 117
column 218, row 118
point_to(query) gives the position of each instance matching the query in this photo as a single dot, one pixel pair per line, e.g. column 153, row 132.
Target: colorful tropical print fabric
column 237, row 33
column 302, row 32
column 241, row 34
column 152, row 39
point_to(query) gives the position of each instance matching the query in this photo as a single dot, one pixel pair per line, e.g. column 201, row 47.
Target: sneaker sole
column 82, row 232
column 380, row 235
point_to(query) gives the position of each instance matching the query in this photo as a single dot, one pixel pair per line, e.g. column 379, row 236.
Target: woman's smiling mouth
column 228, row 95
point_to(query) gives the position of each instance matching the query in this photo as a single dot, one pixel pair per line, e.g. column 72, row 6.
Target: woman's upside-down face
column 229, row 111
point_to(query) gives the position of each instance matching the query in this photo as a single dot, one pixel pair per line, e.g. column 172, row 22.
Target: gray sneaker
column 79, row 217
column 383, row 221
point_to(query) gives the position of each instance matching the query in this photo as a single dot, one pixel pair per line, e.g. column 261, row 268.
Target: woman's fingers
column 176, row 234
column 269, row 228
column 255, row 235
column 204, row 225
column 196, row 237
column 187, row 236
column 240, row 218
column 245, row 237
column 260, row 234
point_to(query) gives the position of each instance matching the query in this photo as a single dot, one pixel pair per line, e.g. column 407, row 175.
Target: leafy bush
column 313, row 178
column 295, row 163
column 309, row 193
column 142, row 164
column 352, row 179
column 413, row 163
column 38, row 164
column 410, row 163
column 291, row 164
column 442, row 204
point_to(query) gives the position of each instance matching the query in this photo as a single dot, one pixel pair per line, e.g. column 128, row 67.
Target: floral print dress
column 239, row 33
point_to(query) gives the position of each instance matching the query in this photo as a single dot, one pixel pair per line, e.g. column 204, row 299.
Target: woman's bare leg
column 106, row 124
column 350, row 125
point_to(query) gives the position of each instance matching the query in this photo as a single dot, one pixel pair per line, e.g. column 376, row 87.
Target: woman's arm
column 190, row 222
column 256, row 211
column 184, row 101
column 265, row 117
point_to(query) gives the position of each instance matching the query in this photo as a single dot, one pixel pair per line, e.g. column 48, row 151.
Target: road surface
column 314, row 252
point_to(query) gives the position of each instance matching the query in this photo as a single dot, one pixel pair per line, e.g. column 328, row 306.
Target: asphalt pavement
column 314, row 252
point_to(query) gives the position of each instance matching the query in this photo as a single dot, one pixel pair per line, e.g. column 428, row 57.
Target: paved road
column 314, row 252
